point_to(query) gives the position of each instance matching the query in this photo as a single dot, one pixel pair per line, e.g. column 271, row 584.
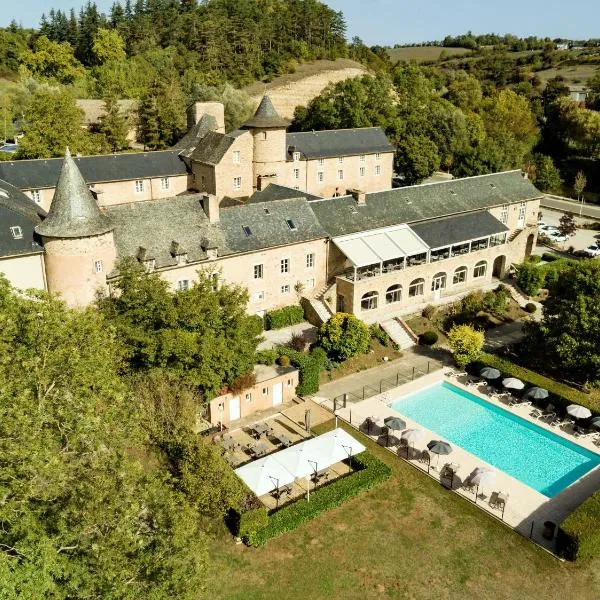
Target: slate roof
column 74, row 212
column 155, row 225
column 43, row 173
column 16, row 209
column 279, row 192
column 343, row 215
column 265, row 116
column 190, row 141
column 338, row 142
column 438, row 233
column 214, row 146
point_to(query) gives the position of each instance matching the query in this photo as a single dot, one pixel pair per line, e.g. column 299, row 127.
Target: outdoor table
column 258, row 429
column 258, row 449
column 285, row 440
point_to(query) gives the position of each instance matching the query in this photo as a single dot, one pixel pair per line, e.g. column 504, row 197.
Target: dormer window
column 247, row 230
column 291, row 225
column 36, row 196
column 296, row 156
column 17, row 232
column 182, row 259
column 150, row 264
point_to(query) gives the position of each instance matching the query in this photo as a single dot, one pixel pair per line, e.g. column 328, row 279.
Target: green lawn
column 423, row 53
column 407, row 538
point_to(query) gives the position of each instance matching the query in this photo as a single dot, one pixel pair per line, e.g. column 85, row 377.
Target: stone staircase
column 399, row 333
column 316, row 311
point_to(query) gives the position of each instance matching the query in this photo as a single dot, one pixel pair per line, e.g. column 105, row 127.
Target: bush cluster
column 531, row 276
column 370, row 472
column 579, row 534
column 379, row 334
column 266, row 357
column 428, row 338
column 243, row 382
column 344, row 336
column 284, row 317
column 308, row 370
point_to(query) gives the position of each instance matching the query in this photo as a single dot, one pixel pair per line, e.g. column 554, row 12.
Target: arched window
column 393, row 294
column 480, row 269
column 438, row 282
column 460, row 275
column 416, row 288
column 369, row 301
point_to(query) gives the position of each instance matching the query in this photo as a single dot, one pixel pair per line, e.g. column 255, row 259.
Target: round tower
column 268, row 131
column 78, row 240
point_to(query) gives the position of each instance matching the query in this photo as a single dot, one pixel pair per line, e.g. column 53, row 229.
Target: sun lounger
column 583, row 434
column 469, row 486
column 519, row 402
column 498, row 500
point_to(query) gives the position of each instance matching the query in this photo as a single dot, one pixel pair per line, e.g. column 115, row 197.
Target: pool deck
column 526, row 509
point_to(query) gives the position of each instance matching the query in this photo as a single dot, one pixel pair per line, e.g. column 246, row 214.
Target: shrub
column 429, row 311
column 243, row 382
column 496, row 302
column 344, row 336
column 530, row 278
column 308, row 370
column 320, row 357
column 466, row 344
column 535, row 258
column 370, row 472
column 547, row 257
column 379, row 334
column 579, row 534
column 530, row 307
column 284, row 317
column 428, row 338
column 284, row 361
column 266, row 357
column 298, row 342
column 252, row 520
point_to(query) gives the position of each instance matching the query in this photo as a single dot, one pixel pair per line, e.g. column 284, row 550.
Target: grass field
column 407, row 538
column 423, row 53
column 573, row 74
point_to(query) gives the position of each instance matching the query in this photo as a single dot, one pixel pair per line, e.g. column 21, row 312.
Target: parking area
column 580, row 240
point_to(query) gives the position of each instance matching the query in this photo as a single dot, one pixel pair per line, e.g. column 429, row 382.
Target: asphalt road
column 577, row 208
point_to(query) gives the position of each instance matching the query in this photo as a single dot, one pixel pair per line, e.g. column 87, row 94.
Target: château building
column 305, row 217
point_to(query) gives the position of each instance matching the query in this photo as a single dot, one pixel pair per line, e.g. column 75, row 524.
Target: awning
column 380, row 245
column 281, row 468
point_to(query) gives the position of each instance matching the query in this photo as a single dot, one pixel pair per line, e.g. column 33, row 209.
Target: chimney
column 210, row 204
column 359, row 196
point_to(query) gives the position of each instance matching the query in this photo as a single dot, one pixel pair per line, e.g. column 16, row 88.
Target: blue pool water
column 534, row 456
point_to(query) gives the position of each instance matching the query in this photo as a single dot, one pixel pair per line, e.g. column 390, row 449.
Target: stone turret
column 268, row 130
column 78, row 240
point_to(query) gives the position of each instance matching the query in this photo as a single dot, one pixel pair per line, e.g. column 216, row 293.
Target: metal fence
column 387, row 383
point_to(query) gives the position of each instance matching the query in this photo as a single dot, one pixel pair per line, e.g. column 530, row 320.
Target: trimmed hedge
column 371, row 471
column 546, row 256
column 252, row 520
column 530, row 307
column 284, row 317
column 579, row 534
column 308, row 367
column 561, row 395
column 428, row 338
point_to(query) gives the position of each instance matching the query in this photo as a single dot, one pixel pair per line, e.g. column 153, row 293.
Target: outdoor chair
column 469, row 486
column 586, row 434
column 425, row 457
column 498, row 500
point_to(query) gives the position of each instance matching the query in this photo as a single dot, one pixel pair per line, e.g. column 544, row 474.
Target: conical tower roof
column 74, row 211
column 265, row 117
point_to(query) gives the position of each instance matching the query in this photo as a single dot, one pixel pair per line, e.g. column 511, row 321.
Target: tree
column 566, row 224
column 545, row 174
column 416, row 158
column 113, row 125
column 466, row 344
column 579, row 184
column 52, row 122
column 530, row 278
column 51, row 60
column 80, row 515
column 109, row 46
column 204, row 336
column 344, row 336
column 568, row 337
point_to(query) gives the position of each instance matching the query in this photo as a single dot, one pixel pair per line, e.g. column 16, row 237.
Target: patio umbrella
column 395, row 424
column 489, row 373
column 596, row 422
column 579, row 412
column 438, row 447
column 411, row 436
column 537, row 393
column 512, row 383
column 482, row 476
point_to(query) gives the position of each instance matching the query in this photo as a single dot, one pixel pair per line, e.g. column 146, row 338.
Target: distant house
column 93, row 109
column 578, row 93
column 562, row 46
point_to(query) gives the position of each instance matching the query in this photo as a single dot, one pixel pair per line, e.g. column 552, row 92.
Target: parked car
column 548, row 229
column 591, row 251
column 556, row 236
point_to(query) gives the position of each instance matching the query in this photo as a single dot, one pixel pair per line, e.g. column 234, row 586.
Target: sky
column 389, row 22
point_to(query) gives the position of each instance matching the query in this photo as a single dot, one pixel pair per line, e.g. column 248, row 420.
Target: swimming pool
column 542, row 460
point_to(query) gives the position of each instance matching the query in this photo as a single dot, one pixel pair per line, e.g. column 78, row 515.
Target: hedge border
column 579, row 534
column 284, row 317
column 561, row 395
column 308, row 367
column 370, row 472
